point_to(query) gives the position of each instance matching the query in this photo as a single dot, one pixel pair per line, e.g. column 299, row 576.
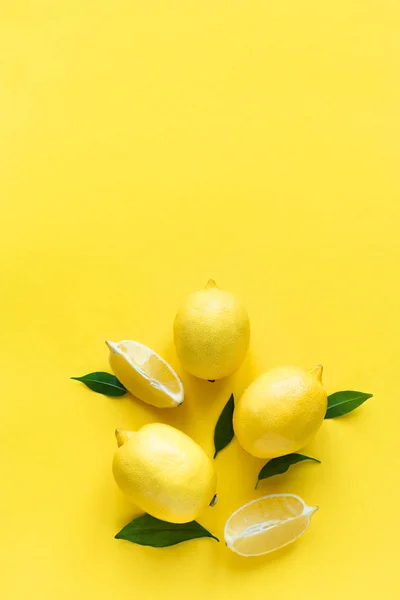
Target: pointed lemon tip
column 317, row 372
column 311, row 510
column 122, row 436
column 111, row 345
column 211, row 285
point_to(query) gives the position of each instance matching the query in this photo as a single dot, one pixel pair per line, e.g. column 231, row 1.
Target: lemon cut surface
column 145, row 374
column 267, row 524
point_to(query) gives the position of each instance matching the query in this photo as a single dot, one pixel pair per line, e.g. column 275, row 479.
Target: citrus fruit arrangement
column 168, row 475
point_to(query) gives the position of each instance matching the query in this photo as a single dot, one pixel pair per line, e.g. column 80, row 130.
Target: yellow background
column 145, row 147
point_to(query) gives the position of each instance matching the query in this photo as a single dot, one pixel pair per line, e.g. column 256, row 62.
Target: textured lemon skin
column 211, row 333
column 280, row 412
column 165, row 473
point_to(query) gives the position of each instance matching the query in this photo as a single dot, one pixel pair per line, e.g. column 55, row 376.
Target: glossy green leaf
column 277, row 466
column 342, row 403
column 224, row 433
column 149, row 531
column 103, row 383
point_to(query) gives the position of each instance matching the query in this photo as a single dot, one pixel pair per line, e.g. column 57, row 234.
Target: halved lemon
column 145, row 374
column 267, row 524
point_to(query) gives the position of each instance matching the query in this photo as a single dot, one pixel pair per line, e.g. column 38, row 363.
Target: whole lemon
column 211, row 333
column 280, row 412
column 164, row 472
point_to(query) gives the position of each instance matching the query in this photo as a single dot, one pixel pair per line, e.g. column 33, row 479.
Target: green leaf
column 280, row 465
column 224, row 433
column 149, row 531
column 344, row 402
column 103, row 383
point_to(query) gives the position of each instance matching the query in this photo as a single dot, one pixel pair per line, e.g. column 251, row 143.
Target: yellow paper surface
column 146, row 146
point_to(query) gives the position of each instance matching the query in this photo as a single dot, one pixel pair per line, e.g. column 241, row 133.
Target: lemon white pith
column 145, row 374
column 267, row 524
column 164, row 472
column 211, row 333
column 280, row 411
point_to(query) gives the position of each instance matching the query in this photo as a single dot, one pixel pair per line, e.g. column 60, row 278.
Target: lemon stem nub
column 211, row 285
column 317, row 372
column 122, row 436
column 214, row 500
